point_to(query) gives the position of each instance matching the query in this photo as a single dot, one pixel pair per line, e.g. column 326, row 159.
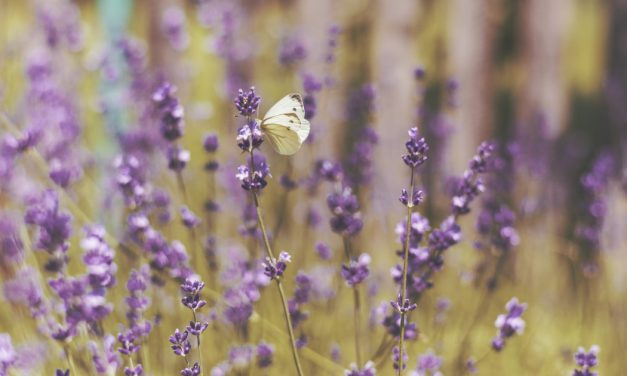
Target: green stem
column 286, row 311
column 401, row 340
column 199, row 349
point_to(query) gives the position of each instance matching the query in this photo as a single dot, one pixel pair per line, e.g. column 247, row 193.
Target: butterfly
column 285, row 125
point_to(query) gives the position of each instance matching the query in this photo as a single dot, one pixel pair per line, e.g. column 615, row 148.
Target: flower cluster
column 191, row 298
column 417, row 149
column 346, row 217
column 368, row 370
column 291, row 51
column 253, row 176
column 180, row 344
column 470, row 186
column 247, row 102
column 249, row 136
column 274, row 269
column 357, row 270
column 509, row 324
column 429, row 364
column 170, row 112
column 586, row 361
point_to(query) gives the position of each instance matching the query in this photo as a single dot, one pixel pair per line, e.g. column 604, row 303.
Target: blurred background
column 545, row 80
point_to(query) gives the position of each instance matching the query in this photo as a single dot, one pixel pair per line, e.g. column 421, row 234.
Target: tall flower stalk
column 252, row 179
column 416, row 155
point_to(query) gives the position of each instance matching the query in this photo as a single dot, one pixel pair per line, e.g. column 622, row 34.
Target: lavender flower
column 170, row 112
column 136, row 371
column 8, row 355
column 247, row 102
column 60, row 372
column 346, row 219
column 399, row 361
column 255, row 179
column 586, row 361
column 180, row 344
column 274, row 269
column 173, row 26
column 509, row 324
column 54, row 226
column 189, row 219
column 210, row 143
column 428, row 365
column 249, row 136
column 191, row 371
column 368, row 370
column 264, row 354
column 417, row 149
column 192, row 289
column 177, row 158
column 357, row 270
column 291, row 51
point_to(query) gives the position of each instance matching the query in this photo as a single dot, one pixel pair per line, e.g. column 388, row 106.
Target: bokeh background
column 545, row 80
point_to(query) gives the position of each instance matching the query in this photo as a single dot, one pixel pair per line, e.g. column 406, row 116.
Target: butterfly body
column 285, row 126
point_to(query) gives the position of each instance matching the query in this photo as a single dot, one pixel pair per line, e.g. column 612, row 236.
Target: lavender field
column 299, row 187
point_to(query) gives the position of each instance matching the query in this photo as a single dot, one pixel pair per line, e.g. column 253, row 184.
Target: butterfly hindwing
column 285, row 124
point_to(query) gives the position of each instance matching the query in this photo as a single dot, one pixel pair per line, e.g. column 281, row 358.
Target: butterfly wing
column 285, row 124
column 282, row 139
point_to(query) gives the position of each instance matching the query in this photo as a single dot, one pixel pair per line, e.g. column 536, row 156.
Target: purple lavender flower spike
column 249, row 136
column 191, row 371
column 417, row 149
column 137, row 371
column 190, row 220
column 509, row 324
column 291, row 51
column 265, row 355
column 170, row 112
column 429, row 365
column 177, row 158
column 274, row 269
column 247, row 102
column 397, row 361
column 59, row 372
column 8, row 355
column 368, row 370
column 586, row 361
column 180, row 344
column 173, row 26
column 210, row 143
column 346, row 219
column 357, row 270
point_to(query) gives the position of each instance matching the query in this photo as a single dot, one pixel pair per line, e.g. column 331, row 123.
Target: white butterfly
column 285, row 125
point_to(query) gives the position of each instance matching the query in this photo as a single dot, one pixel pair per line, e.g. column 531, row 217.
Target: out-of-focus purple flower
column 274, row 269
column 108, row 361
column 8, row 355
column 310, row 86
column 586, row 361
column 428, row 365
column 329, row 171
column 324, row 251
column 247, row 103
column 509, row 324
column 291, row 51
column 191, row 371
column 357, row 270
column 265, row 355
column 471, row 365
column 419, row 226
column 170, row 112
column 368, row 370
column 11, row 246
column 98, row 258
column 190, row 220
column 210, row 143
column 177, row 158
column 173, row 26
column 346, row 218
column 360, row 162
column 333, row 34
column 417, row 149
column 180, row 344
column 131, row 180
column 54, row 227
column 241, row 356
column 392, row 324
column 59, row 372
column 287, row 182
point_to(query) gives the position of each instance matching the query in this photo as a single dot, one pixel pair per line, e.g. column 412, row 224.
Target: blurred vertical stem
column 356, row 305
column 286, row 311
column 410, row 206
